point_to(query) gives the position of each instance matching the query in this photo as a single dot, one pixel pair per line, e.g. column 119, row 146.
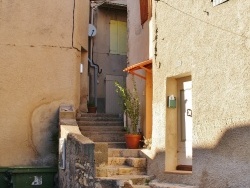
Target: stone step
column 116, row 145
column 117, row 160
column 121, row 145
column 139, row 181
column 99, row 118
column 104, row 136
column 155, row 184
column 99, row 115
column 130, row 161
column 119, row 152
column 100, row 123
column 108, row 171
column 137, row 162
column 140, row 186
column 102, row 128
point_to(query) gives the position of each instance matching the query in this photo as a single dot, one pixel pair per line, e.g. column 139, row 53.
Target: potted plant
column 91, row 106
column 130, row 104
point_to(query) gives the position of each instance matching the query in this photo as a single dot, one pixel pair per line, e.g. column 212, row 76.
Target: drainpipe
column 95, row 79
column 91, row 54
column 94, row 6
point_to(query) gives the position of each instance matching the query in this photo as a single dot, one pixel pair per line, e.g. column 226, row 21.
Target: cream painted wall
column 39, row 71
column 138, row 51
column 212, row 45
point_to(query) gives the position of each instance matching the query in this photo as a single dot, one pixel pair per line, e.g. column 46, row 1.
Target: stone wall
column 78, row 169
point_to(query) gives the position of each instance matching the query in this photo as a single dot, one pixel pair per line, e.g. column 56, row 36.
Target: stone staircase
column 103, row 128
column 116, row 166
column 122, row 162
column 125, row 166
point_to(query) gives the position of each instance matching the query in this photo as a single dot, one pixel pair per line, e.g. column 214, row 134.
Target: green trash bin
column 30, row 177
column 5, row 177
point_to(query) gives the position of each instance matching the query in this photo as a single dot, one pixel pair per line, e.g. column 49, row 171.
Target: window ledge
column 181, row 172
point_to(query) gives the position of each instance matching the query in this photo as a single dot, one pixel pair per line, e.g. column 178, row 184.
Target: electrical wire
column 187, row 14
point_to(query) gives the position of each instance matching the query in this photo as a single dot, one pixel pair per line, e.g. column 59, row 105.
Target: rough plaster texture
column 39, row 71
column 212, row 45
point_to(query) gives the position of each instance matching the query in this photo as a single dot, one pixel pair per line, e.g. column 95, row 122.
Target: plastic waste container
column 4, row 178
column 30, row 177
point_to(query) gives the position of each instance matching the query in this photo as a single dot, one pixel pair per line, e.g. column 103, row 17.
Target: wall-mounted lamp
column 81, row 68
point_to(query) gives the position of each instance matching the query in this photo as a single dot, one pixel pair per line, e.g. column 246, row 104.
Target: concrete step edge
column 103, row 132
column 156, row 184
column 129, row 161
column 120, row 152
column 115, row 145
column 120, row 167
column 99, row 119
column 140, row 180
column 98, row 115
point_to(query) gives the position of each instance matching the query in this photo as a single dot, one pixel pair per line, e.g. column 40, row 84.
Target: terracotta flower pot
column 133, row 141
column 92, row 109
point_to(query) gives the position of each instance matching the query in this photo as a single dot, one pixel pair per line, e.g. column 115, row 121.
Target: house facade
column 200, row 89
column 107, row 53
column 41, row 47
column 140, row 54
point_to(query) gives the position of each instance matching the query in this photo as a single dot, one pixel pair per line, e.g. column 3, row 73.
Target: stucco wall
column 139, row 49
column 111, row 64
column 39, row 71
column 212, row 45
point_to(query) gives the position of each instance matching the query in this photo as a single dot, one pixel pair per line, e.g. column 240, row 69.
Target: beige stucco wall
column 39, row 70
column 139, row 49
column 109, row 64
column 212, row 45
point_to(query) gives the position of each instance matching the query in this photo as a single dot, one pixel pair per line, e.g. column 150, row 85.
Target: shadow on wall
column 44, row 130
column 227, row 164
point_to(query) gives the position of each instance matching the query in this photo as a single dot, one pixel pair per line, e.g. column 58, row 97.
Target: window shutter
column 122, row 38
column 217, row 2
column 144, row 10
column 113, row 37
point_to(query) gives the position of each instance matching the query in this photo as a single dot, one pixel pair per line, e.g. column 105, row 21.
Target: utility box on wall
column 171, row 101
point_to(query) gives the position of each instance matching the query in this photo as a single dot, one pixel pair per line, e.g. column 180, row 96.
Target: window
column 217, row 2
column 118, row 37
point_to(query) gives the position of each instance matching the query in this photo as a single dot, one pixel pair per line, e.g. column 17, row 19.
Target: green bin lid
column 32, row 169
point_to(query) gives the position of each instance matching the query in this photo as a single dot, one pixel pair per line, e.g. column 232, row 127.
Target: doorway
column 112, row 102
column 185, row 123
